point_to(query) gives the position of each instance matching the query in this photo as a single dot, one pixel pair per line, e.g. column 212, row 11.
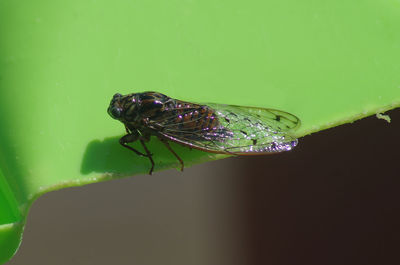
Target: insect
column 215, row 128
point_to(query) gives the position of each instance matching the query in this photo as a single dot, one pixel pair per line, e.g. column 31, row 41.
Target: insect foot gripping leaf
column 215, row 128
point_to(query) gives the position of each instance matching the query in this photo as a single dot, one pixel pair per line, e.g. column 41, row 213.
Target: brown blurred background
column 333, row 200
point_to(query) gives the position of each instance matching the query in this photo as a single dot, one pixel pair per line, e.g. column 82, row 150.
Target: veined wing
column 235, row 129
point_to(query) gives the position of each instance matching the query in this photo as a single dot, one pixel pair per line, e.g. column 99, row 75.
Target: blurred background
column 333, row 200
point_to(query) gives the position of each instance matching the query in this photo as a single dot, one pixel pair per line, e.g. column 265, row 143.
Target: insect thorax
column 145, row 105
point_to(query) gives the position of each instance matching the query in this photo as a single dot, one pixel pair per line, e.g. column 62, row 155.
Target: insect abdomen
column 193, row 117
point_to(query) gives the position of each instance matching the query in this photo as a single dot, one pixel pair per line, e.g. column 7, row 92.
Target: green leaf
column 61, row 62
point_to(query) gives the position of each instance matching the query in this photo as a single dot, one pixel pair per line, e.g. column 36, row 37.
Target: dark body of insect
column 215, row 128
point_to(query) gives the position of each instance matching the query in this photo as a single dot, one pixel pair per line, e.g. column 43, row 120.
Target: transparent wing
column 239, row 130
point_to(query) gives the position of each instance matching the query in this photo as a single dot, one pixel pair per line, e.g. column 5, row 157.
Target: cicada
column 214, row 128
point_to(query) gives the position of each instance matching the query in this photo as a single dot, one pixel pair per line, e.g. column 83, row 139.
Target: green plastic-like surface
column 61, row 61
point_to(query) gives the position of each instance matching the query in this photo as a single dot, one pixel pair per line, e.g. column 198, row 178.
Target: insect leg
column 148, row 155
column 130, row 138
column 165, row 142
column 145, row 137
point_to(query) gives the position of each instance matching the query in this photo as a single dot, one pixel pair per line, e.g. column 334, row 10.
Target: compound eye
column 115, row 112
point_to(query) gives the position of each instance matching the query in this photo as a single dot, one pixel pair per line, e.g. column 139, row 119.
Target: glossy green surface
column 61, row 61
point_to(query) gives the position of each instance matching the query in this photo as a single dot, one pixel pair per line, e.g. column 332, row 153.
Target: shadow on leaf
column 108, row 156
